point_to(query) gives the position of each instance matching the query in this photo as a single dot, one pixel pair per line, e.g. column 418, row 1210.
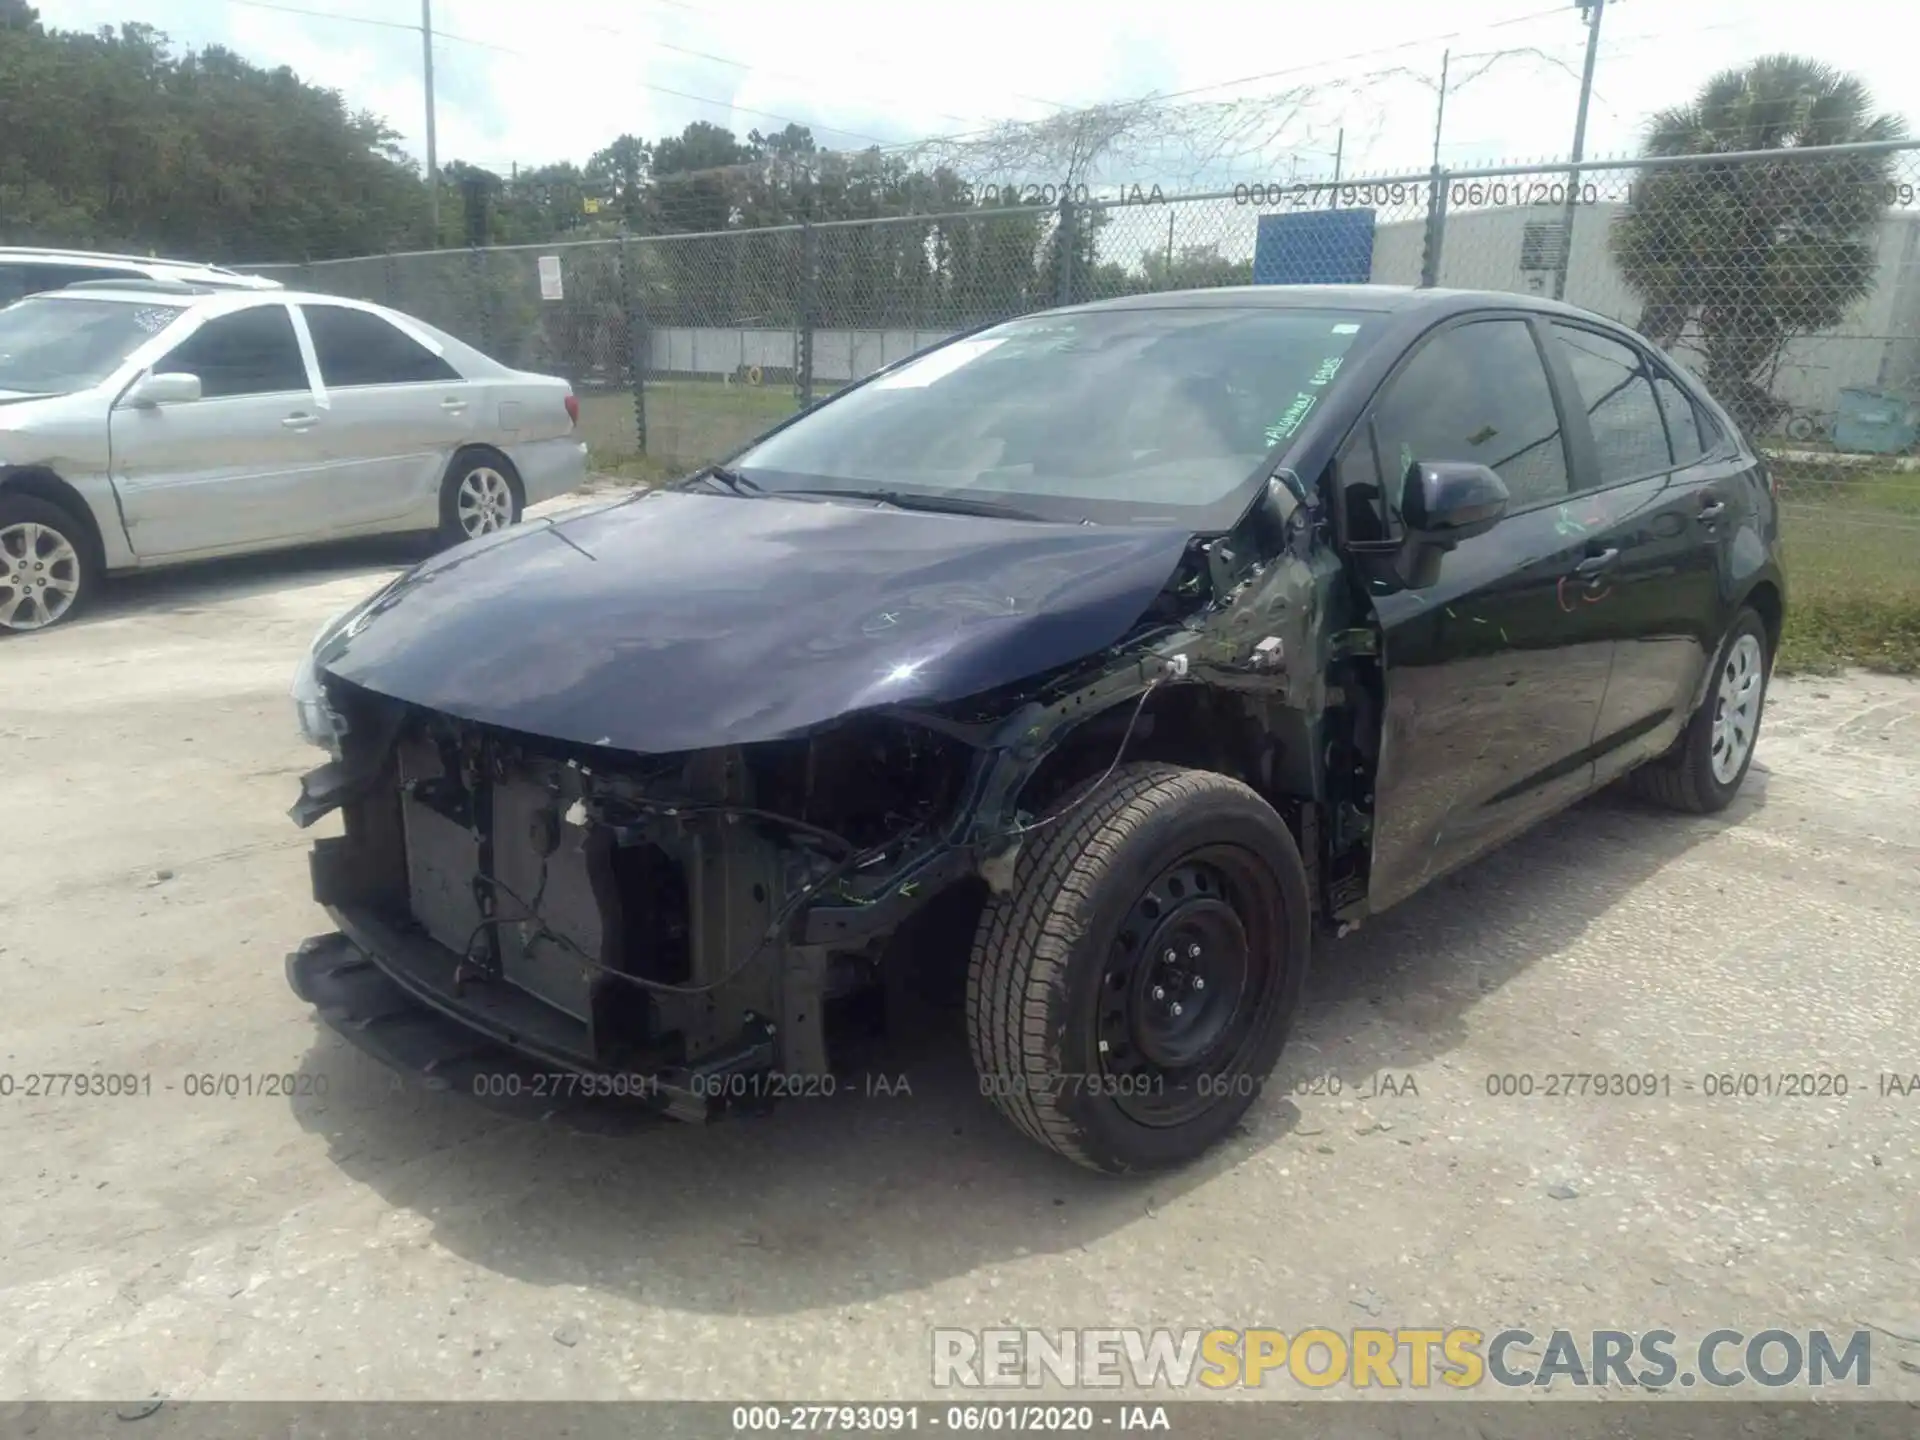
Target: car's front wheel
column 1127, row 999
column 480, row 495
column 46, row 570
column 1702, row 772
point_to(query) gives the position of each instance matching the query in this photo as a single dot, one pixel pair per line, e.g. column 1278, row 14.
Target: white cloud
column 560, row 79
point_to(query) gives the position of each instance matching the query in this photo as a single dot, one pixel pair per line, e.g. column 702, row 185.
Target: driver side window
column 1477, row 392
column 251, row 352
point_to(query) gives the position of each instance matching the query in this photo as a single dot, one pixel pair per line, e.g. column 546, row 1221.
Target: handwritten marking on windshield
column 1291, row 417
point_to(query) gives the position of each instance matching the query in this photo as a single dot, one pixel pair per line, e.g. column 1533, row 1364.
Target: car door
column 1492, row 686
column 1648, row 526
column 394, row 412
column 232, row 469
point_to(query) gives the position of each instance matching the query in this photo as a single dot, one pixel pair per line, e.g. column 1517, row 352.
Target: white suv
column 28, row 271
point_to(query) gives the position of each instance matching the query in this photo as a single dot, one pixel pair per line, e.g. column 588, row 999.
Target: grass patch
column 689, row 422
column 1853, row 572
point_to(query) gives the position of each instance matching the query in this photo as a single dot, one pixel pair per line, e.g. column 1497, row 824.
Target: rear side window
column 1629, row 439
column 358, row 348
column 251, row 352
column 1476, row 393
column 1683, row 420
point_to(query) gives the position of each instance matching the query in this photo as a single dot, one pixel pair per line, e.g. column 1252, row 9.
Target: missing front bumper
column 372, row 987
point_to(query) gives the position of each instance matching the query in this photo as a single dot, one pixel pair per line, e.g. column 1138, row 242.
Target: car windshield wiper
column 732, row 480
column 907, row 500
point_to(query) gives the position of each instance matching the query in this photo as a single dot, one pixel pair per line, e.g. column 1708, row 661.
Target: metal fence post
column 809, row 311
column 639, row 348
column 1064, row 280
column 1436, row 232
column 477, row 274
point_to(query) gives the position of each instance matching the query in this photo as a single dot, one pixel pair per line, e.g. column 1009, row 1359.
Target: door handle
column 300, row 422
column 1594, row 565
column 1712, row 509
column 453, row 405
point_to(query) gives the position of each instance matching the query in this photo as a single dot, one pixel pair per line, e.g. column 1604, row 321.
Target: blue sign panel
column 1314, row 247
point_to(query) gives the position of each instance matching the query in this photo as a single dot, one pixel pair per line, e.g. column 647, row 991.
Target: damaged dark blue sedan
column 1106, row 653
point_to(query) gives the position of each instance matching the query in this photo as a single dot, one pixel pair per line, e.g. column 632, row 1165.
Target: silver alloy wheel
column 1736, row 707
column 485, row 501
column 39, row 576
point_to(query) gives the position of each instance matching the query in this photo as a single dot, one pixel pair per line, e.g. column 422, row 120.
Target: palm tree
column 1753, row 253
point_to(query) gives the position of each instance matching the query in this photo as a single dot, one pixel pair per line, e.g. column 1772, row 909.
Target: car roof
column 187, row 293
column 1385, row 299
column 156, row 266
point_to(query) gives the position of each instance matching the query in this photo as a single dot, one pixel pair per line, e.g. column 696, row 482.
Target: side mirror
column 1443, row 503
column 173, row 388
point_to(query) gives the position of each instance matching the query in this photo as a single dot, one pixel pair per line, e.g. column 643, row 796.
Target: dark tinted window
column 1477, row 392
column 1148, row 415
column 1683, row 420
column 1628, row 438
column 251, row 352
column 356, row 348
column 1359, row 480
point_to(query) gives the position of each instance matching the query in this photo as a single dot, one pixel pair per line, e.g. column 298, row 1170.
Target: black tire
column 78, row 564
column 1060, row 1047
column 472, row 465
column 1683, row 779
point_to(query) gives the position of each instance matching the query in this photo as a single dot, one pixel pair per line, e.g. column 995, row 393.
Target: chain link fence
column 1788, row 280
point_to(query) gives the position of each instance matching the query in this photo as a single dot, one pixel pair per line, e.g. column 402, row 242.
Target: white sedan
column 145, row 423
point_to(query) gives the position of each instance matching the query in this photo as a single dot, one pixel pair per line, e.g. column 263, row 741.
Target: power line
column 787, row 75
column 440, row 34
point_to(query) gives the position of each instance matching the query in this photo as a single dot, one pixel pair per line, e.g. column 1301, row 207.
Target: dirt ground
column 386, row 1242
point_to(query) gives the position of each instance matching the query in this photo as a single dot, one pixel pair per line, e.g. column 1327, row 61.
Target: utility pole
column 433, row 167
column 1590, row 11
column 1440, row 115
column 1339, row 153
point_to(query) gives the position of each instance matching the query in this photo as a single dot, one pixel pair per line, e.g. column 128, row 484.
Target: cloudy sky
column 529, row 83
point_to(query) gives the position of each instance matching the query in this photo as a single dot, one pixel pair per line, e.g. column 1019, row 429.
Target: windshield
column 1119, row 416
column 53, row 346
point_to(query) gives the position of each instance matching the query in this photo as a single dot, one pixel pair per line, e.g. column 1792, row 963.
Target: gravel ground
column 387, row 1242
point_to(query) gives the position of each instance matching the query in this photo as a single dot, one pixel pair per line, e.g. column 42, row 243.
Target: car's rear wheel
column 480, row 495
column 1702, row 772
column 46, row 566
column 1127, row 999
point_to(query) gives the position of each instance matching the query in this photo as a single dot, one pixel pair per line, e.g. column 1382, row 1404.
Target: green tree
column 110, row 140
column 618, row 175
column 1752, row 254
column 693, row 190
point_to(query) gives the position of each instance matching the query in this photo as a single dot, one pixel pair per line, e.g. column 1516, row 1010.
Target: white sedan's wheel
column 485, row 501
column 43, row 572
column 481, row 497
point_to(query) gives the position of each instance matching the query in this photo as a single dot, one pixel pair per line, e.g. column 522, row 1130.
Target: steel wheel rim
column 485, row 501
column 1736, row 707
column 39, row 575
column 1163, row 1069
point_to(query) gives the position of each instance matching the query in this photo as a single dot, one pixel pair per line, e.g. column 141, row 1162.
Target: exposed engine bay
column 735, row 909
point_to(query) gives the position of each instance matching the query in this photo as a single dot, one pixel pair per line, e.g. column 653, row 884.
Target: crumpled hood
column 696, row 620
